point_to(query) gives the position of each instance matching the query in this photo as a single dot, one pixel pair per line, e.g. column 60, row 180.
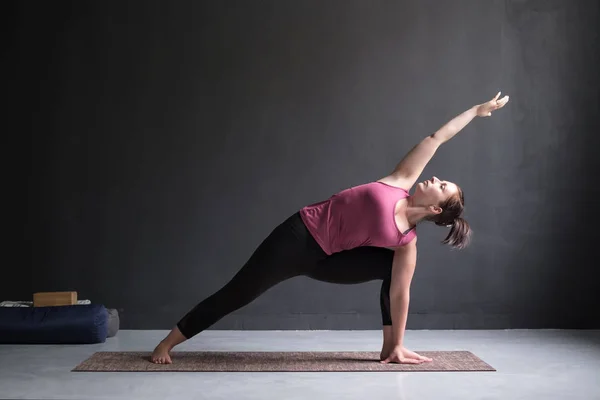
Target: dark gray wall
column 167, row 140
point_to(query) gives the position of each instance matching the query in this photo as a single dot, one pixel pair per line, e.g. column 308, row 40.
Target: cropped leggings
column 290, row 251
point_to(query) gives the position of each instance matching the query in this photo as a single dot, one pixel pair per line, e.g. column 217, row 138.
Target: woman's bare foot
column 161, row 355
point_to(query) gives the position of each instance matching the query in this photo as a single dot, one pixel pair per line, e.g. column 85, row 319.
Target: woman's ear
column 435, row 209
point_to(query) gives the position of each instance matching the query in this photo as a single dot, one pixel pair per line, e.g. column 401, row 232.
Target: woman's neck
column 415, row 213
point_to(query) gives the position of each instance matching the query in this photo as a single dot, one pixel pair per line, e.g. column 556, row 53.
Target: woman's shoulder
column 394, row 183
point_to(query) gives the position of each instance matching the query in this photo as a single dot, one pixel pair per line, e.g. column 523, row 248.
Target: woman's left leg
column 362, row 264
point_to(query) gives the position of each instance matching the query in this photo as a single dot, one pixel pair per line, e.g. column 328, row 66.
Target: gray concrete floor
column 540, row 364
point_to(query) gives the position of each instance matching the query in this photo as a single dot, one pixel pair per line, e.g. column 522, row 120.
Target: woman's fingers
column 412, row 354
column 502, row 101
column 410, row 361
column 402, row 361
column 498, row 95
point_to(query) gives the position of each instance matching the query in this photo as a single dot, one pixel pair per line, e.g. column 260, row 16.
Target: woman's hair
column 459, row 236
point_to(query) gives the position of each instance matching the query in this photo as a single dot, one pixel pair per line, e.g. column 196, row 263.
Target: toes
column 161, row 358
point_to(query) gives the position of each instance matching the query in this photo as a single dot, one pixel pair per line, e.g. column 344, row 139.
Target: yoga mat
column 215, row 361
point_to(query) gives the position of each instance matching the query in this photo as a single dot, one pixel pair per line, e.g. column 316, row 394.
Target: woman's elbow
column 400, row 294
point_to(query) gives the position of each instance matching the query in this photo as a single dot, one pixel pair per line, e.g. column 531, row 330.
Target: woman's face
column 434, row 191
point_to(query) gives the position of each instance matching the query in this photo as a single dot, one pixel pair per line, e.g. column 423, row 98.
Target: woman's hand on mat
column 402, row 355
column 485, row 109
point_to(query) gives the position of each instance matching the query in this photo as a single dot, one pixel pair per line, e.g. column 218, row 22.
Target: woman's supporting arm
column 403, row 268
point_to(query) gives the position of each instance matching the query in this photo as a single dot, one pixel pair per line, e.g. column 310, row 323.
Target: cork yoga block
column 48, row 299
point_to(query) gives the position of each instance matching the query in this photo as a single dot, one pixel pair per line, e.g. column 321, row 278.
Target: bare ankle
column 166, row 344
column 174, row 338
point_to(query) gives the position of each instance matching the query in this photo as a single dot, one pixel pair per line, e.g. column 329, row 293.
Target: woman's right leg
column 285, row 253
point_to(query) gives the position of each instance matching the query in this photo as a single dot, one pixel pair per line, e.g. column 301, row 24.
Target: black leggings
column 290, row 251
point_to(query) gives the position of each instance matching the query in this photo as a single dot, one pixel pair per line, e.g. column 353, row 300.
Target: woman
column 360, row 234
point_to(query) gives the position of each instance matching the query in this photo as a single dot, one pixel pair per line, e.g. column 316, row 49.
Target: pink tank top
column 359, row 216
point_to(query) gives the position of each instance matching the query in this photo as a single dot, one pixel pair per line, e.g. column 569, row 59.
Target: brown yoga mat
column 215, row 361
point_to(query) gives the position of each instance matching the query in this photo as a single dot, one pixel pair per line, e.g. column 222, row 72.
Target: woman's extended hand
column 402, row 355
column 485, row 109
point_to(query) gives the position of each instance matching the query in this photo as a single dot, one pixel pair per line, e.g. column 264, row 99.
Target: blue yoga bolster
column 76, row 324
